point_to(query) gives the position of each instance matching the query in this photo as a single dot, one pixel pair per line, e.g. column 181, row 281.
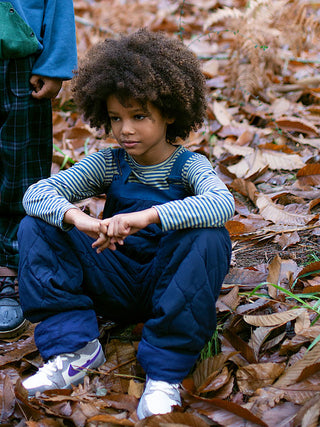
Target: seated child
column 161, row 251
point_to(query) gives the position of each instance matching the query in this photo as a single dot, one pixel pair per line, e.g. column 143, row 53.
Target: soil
column 252, row 253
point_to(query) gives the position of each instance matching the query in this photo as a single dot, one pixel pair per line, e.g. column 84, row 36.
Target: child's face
column 140, row 131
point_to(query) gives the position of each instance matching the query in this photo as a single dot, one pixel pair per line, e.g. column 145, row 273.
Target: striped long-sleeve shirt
column 210, row 204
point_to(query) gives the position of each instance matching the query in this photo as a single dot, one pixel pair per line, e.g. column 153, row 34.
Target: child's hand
column 83, row 222
column 115, row 229
column 45, row 87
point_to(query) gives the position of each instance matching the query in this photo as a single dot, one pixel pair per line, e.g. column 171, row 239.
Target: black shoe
column 12, row 322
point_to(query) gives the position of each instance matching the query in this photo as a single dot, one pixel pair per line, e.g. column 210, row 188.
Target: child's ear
column 170, row 121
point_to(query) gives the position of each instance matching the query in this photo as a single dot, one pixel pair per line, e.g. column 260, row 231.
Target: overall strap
column 124, row 169
column 179, row 163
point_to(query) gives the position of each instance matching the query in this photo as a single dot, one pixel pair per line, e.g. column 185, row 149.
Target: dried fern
column 265, row 32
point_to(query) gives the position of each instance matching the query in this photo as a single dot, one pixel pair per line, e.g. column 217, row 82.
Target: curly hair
column 148, row 67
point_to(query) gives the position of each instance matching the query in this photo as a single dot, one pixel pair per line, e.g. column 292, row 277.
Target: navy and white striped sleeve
column 211, row 206
column 50, row 198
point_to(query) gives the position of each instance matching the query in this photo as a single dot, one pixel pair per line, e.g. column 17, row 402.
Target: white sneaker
column 158, row 398
column 66, row 369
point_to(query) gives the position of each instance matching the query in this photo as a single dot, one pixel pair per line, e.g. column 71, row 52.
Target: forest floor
column 262, row 134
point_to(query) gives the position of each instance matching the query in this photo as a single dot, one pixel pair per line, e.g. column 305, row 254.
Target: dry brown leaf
column 225, row 391
column 173, row 419
column 215, row 382
column 281, row 161
column 209, row 368
column 256, row 159
column 245, row 187
column 7, row 397
column 280, row 106
column 312, row 268
column 231, row 299
column 313, row 203
column 228, row 410
column 241, row 208
column 274, row 319
column 234, row 129
column 245, row 138
column 309, row 174
column 244, row 277
column 254, row 376
column 77, row 136
column 238, row 228
column 313, row 142
column 252, row 305
column 105, row 418
column 274, row 276
column 45, row 422
column 287, row 239
column 302, row 322
column 18, row 351
column 210, row 68
column 278, row 215
column 240, row 345
column 293, row 372
column 295, row 124
column 251, row 225
column 120, row 357
column 283, row 148
column 270, row 344
column 280, row 415
column 281, row 273
column 300, row 393
column 258, row 336
column 135, row 389
column 308, row 415
column 221, row 113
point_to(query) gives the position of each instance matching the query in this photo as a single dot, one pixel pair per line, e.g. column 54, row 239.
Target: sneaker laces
column 55, row 364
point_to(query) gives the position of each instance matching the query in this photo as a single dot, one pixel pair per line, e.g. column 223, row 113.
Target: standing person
column 161, row 252
column 37, row 52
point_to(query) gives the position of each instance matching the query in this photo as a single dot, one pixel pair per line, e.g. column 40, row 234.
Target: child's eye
column 114, row 119
column 140, row 116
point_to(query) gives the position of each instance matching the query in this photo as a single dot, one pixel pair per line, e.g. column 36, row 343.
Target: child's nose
column 127, row 127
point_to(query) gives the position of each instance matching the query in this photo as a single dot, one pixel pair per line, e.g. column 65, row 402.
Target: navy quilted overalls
column 169, row 280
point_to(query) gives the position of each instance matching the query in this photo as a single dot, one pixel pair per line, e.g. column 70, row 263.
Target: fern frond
column 223, row 14
column 266, row 33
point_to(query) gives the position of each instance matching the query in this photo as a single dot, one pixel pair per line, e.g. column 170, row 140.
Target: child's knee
column 28, row 224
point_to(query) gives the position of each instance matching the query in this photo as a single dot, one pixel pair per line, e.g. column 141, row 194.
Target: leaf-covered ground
column 262, row 367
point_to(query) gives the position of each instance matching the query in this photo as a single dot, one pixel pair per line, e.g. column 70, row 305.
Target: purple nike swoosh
column 72, row 372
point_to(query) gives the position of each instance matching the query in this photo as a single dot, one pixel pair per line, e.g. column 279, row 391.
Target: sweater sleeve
column 211, row 205
column 50, row 198
column 58, row 58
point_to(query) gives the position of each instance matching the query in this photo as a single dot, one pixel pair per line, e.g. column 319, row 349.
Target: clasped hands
column 111, row 231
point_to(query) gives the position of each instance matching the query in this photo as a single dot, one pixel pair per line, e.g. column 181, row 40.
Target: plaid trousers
column 25, row 149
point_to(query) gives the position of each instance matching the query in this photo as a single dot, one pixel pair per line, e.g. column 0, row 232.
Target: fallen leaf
column 295, row 124
column 254, row 376
column 274, row 319
column 278, row 215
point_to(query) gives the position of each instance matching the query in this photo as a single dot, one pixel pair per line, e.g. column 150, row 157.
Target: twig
column 118, row 366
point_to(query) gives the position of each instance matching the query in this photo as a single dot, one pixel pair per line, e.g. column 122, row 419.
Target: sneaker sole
column 12, row 333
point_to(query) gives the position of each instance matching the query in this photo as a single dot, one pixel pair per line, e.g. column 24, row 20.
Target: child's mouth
column 129, row 144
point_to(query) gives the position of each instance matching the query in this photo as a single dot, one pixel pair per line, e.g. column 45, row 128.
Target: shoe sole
column 12, row 333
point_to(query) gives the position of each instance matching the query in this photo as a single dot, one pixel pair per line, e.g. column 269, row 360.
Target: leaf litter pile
column 262, row 135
